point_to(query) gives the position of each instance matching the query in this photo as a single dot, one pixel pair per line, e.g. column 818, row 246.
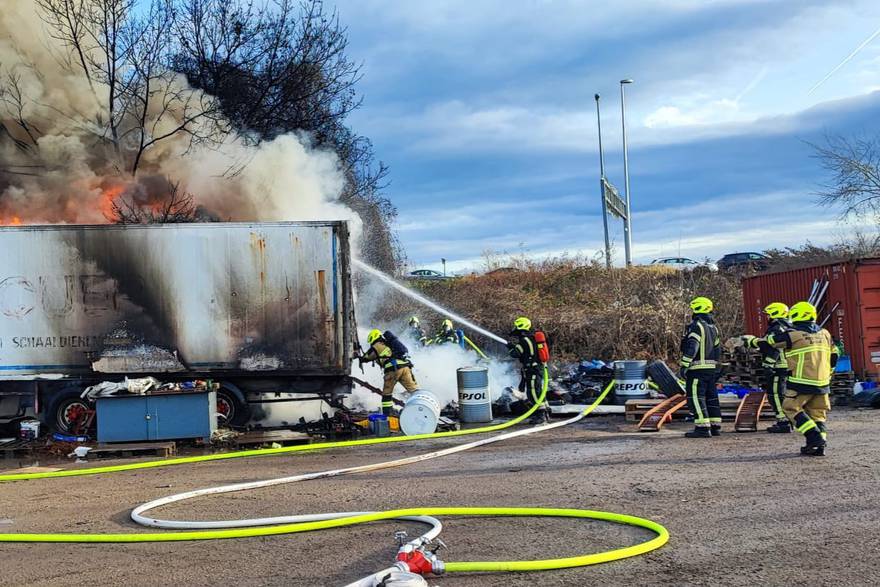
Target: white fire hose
column 138, row 513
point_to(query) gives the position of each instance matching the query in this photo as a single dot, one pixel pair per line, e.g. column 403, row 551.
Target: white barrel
column 420, row 414
column 630, row 380
column 474, row 399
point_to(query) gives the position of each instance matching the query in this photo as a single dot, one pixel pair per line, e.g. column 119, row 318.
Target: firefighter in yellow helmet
column 416, row 332
column 775, row 365
column 700, row 359
column 393, row 357
column 523, row 348
column 446, row 333
column 811, row 356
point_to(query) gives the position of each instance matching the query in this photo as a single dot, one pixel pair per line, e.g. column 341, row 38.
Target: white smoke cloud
column 79, row 174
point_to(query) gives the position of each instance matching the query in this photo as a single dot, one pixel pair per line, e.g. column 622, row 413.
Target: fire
column 15, row 221
column 108, row 198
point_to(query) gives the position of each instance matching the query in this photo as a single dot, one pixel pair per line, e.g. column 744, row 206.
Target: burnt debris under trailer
column 264, row 309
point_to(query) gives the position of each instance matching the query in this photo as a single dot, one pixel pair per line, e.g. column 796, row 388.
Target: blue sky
column 484, row 110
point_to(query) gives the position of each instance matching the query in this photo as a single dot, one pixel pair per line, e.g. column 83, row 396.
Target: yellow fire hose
column 265, row 452
column 662, row 535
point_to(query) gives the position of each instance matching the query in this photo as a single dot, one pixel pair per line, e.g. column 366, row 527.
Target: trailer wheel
column 67, row 409
column 232, row 409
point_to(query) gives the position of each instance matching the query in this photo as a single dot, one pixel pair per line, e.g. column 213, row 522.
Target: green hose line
column 265, row 452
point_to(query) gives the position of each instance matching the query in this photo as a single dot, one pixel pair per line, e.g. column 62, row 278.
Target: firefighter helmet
column 522, row 323
column 446, row 324
column 414, row 321
column 702, row 305
column 373, row 336
column 802, row 312
column 776, row 310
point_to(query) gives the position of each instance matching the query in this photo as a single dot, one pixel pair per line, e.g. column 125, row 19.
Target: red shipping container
column 853, row 294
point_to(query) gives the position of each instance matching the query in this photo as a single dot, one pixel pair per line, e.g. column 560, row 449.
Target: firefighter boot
column 716, row 429
column 699, row 432
column 815, row 444
column 781, row 427
column 823, row 431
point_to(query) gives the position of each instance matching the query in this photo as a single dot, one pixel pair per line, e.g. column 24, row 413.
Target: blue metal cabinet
column 157, row 417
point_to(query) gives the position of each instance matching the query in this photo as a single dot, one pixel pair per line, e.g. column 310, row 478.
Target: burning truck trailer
column 264, row 310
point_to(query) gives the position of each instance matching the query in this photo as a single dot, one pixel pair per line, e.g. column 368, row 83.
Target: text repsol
column 472, row 396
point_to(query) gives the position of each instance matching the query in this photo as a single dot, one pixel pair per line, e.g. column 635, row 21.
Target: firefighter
column 393, row 357
column 532, row 372
column 776, row 366
column 416, row 332
column 700, row 357
column 446, row 334
column 811, row 356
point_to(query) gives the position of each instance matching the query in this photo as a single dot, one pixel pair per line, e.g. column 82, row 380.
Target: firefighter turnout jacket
column 385, row 357
column 525, row 350
column 701, row 346
column 811, row 355
column 774, row 358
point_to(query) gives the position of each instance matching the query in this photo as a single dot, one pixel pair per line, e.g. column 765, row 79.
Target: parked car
column 426, row 274
column 682, row 263
column 750, row 259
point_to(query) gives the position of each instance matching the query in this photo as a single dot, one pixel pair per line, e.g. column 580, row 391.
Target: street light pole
column 602, row 187
column 627, row 226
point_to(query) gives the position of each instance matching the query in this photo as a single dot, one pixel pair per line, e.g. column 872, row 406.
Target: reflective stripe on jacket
column 701, row 345
column 382, row 354
column 811, row 354
column 774, row 358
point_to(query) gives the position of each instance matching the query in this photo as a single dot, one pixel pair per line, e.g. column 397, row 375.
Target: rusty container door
column 840, row 308
column 868, row 296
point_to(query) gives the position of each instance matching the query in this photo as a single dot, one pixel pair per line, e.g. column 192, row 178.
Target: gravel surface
column 743, row 509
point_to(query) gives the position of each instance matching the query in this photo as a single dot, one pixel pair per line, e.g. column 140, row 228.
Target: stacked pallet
column 743, row 367
column 637, row 408
column 842, row 388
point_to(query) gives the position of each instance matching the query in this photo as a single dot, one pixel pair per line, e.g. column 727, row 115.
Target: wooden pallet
column 636, row 410
column 282, row 437
column 161, row 449
column 749, row 412
column 656, row 417
column 16, row 447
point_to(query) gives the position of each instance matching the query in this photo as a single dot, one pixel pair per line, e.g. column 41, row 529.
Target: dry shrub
column 587, row 310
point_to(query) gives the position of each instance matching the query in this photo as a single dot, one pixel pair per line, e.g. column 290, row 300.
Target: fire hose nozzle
column 400, row 538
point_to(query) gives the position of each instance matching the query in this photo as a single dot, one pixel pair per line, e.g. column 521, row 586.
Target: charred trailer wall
column 854, row 288
column 215, row 299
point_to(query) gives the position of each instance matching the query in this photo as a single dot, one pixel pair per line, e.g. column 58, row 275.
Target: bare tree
column 165, row 203
column 280, row 66
column 854, row 166
column 125, row 59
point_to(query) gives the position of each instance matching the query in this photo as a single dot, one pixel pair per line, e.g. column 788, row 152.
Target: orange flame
column 16, row 221
column 108, row 198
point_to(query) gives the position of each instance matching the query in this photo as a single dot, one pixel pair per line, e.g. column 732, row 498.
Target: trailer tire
column 232, row 408
column 64, row 408
column 662, row 375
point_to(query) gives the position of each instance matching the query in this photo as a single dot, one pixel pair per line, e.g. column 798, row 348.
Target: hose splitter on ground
column 415, row 557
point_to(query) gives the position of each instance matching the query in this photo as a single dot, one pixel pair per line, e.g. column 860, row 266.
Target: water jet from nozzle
column 388, row 280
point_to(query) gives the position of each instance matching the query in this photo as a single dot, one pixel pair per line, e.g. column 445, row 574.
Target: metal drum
column 630, row 380
column 474, row 399
column 420, row 414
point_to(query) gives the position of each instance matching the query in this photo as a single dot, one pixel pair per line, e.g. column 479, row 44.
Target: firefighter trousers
column 402, row 375
column 775, row 384
column 808, row 412
column 702, row 398
column 531, row 383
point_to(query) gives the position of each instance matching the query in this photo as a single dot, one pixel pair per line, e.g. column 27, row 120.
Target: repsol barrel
column 630, row 380
column 420, row 414
column 474, row 399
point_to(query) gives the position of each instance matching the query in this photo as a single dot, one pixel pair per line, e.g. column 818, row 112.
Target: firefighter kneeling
column 392, row 355
column 811, row 356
